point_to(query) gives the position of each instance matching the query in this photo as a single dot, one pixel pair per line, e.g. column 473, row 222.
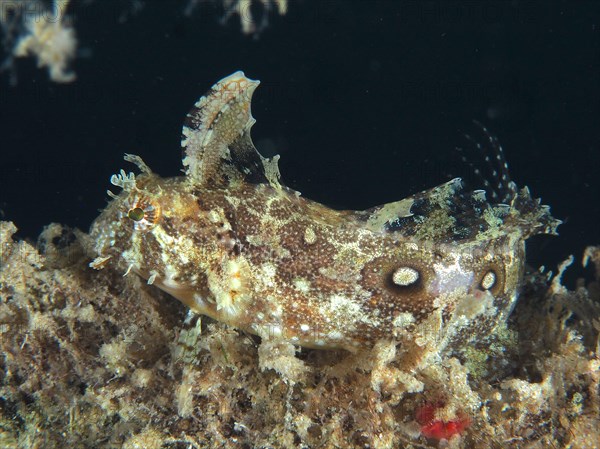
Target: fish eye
column 405, row 276
column 143, row 211
column 136, row 214
column 488, row 280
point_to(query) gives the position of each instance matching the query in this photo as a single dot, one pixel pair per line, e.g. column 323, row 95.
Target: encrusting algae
column 418, row 345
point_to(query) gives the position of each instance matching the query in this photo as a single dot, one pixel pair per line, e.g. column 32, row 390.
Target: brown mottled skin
column 230, row 242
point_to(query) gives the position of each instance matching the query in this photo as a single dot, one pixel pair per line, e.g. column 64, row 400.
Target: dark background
column 364, row 100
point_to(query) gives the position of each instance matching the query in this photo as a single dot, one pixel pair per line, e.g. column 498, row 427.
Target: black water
column 364, row 100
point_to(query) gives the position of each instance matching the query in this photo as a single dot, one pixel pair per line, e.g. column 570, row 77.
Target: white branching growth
column 33, row 28
column 242, row 9
column 124, row 180
column 49, row 37
column 247, row 21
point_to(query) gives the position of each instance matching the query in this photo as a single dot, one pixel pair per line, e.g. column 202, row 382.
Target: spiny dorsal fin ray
column 216, row 137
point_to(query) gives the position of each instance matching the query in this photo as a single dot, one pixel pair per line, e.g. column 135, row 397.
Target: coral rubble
column 96, row 360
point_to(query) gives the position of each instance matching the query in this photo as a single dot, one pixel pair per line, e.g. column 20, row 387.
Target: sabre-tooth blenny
column 231, row 242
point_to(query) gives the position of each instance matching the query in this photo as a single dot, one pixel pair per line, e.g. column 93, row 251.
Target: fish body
column 231, row 242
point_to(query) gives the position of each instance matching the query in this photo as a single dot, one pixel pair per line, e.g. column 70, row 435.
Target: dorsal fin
column 449, row 213
column 407, row 216
column 486, row 159
column 216, row 137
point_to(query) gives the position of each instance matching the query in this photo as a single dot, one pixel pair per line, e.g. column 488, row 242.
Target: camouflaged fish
column 231, row 242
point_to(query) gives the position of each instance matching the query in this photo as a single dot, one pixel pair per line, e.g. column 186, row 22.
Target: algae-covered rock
column 97, row 360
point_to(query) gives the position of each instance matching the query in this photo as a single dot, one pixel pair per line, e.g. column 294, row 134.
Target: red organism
column 436, row 428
